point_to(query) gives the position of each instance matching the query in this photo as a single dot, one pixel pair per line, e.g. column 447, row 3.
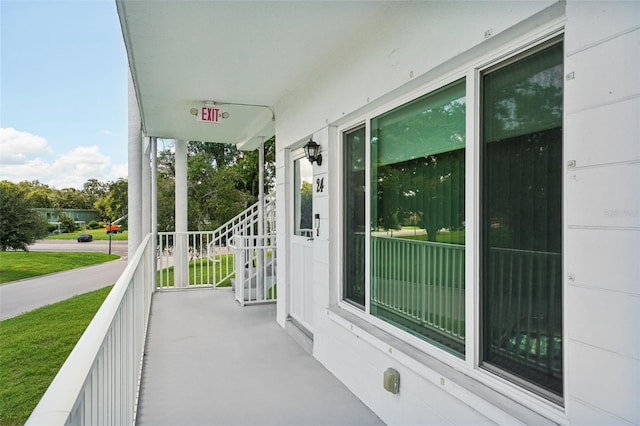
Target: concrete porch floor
column 211, row 362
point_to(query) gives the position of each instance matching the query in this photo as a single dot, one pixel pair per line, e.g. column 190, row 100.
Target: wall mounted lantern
column 312, row 152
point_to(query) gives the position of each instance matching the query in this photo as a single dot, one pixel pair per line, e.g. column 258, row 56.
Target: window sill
column 473, row 392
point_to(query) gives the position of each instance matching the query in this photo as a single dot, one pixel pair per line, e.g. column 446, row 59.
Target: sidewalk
column 26, row 295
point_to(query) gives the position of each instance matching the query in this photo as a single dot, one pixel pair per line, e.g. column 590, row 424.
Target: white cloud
column 68, row 170
column 119, row 170
column 77, row 166
column 29, row 170
column 16, row 146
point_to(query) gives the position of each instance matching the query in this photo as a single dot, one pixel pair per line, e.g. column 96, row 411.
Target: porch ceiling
column 182, row 53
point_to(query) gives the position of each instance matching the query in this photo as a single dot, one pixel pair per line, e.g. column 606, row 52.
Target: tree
column 114, row 204
column 40, row 194
column 248, row 165
column 67, row 224
column 20, row 225
column 71, row 198
column 306, row 206
column 222, row 181
column 95, row 190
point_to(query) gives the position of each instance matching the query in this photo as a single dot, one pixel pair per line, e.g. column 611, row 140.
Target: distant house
column 80, row 216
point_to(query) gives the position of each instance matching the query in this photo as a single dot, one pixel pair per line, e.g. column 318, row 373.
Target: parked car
column 85, row 238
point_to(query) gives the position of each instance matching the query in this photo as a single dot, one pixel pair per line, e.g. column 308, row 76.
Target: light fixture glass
column 312, row 152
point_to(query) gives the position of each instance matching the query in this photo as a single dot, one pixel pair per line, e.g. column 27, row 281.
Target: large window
column 521, row 253
column 405, row 250
column 417, row 217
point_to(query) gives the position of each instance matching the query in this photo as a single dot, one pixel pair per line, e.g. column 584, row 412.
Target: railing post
column 239, row 260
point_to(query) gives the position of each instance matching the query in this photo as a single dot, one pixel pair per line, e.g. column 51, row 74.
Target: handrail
column 208, row 253
column 99, row 381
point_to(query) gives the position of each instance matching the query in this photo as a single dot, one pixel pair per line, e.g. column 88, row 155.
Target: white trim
column 367, row 216
column 340, row 204
column 472, row 209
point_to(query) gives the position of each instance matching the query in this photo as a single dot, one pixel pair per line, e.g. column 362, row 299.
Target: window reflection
column 303, row 197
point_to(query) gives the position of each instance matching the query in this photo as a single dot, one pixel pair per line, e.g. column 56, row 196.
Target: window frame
column 343, row 202
column 529, row 386
column 461, row 73
column 472, row 70
column 444, row 86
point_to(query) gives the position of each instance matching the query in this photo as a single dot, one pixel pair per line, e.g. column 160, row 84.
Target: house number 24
column 320, row 185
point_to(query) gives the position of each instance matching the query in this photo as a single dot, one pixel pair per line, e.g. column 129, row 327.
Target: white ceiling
column 182, row 53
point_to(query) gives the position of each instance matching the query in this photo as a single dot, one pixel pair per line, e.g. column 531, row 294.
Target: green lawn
column 17, row 265
column 98, row 234
column 195, row 267
column 34, row 347
column 452, row 237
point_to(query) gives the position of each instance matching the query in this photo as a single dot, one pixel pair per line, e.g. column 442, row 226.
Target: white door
column 301, row 257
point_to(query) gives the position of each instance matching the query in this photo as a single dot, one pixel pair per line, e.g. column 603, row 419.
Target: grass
column 452, row 237
column 195, row 266
column 98, row 234
column 34, row 347
column 17, row 265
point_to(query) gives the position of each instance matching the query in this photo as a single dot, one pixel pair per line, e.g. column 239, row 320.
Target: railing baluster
column 420, row 281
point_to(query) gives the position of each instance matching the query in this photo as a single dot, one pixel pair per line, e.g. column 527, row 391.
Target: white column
column 261, row 187
column 260, row 288
column 154, row 208
column 135, row 172
column 181, row 258
column 146, row 187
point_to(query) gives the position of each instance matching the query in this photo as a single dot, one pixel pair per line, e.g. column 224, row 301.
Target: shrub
column 94, row 225
column 67, row 224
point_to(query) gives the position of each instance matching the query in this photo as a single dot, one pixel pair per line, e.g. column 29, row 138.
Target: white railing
column 420, row 285
column 204, row 268
column 205, row 258
column 525, row 294
column 99, row 381
column 256, row 257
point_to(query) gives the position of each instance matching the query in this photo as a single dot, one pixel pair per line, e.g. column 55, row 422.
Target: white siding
column 414, row 44
column 402, row 42
column 602, row 205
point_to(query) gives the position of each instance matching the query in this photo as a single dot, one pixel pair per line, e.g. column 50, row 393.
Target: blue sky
column 63, row 92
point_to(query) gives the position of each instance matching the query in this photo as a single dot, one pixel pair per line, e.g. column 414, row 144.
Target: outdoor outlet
column 391, row 381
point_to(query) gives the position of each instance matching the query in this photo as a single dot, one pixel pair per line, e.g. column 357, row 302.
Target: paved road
column 117, row 247
column 25, row 295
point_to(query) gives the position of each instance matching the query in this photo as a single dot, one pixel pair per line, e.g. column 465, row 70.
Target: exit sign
column 209, row 114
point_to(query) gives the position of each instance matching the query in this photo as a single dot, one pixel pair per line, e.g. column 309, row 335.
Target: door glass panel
column 303, row 197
